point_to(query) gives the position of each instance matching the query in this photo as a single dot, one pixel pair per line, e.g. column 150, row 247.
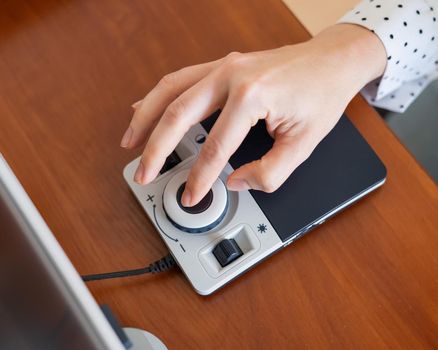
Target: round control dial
column 202, row 206
column 202, row 217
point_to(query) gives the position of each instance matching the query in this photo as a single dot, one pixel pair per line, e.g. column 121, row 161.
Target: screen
column 341, row 167
column 36, row 309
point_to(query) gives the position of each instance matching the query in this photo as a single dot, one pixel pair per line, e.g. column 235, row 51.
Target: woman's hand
column 300, row 91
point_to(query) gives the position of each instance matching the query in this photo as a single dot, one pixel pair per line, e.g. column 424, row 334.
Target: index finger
column 148, row 110
column 193, row 105
column 227, row 134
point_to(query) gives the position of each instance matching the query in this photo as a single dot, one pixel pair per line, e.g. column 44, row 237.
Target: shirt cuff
column 407, row 30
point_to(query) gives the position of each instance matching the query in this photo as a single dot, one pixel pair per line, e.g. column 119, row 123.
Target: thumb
column 268, row 173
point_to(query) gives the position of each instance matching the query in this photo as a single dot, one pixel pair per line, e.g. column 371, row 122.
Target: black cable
column 161, row 265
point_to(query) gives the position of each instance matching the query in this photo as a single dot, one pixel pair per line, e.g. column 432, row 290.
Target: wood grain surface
column 69, row 71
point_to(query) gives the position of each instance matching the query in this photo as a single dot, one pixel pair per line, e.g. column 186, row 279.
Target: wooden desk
column 69, row 71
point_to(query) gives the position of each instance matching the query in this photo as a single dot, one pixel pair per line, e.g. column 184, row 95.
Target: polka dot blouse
column 409, row 32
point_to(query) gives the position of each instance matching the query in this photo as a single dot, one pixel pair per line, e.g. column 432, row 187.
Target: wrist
column 354, row 51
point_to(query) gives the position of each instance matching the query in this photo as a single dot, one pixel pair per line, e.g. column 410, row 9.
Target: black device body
column 341, row 169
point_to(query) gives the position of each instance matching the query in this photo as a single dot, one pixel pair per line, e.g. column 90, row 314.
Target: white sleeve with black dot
column 409, row 32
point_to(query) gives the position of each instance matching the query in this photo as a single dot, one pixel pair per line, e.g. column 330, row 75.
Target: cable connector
column 164, row 264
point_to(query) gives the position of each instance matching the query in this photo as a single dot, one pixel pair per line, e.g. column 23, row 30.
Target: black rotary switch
column 202, row 206
column 171, row 161
column 226, row 251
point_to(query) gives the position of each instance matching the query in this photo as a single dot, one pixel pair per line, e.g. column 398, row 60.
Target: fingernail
column 186, row 198
column 139, row 174
column 126, row 139
column 137, row 104
column 237, row 185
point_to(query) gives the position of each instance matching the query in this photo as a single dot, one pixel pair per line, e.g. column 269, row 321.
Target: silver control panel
column 215, row 241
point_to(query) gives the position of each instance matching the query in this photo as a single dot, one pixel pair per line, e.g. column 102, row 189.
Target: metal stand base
column 142, row 340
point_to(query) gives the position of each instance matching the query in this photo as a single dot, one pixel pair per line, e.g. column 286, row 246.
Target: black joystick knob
column 226, row 251
column 202, row 206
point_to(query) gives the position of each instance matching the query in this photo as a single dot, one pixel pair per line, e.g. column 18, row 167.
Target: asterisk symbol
column 262, row 228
